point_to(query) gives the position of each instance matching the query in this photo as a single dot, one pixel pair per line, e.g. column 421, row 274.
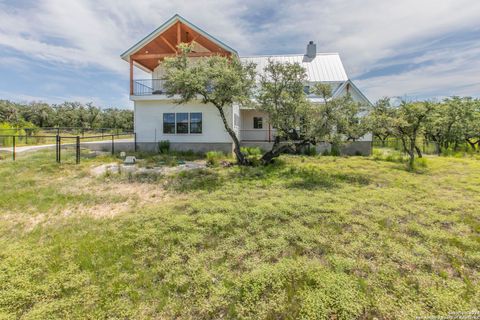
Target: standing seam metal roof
column 325, row 67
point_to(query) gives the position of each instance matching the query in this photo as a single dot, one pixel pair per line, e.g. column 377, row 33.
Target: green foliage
column 454, row 121
column 253, row 155
column 164, row 146
column 214, row 157
column 337, row 119
column 380, row 119
column 310, row 150
column 281, row 96
column 9, row 129
column 409, row 124
column 304, row 238
column 221, row 81
column 252, row 151
column 420, row 163
column 67, row 114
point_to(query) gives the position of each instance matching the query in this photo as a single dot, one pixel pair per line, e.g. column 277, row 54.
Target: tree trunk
column 277, row 150
column 439, row 148
column 241, row 159
column 411, row 153
column 383, row 141
column 473, row 144
column 419, row 152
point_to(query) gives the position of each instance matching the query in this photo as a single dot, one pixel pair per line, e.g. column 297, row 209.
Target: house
column 198, row 127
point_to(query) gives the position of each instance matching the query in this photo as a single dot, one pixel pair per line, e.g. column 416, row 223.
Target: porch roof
column 163, row 42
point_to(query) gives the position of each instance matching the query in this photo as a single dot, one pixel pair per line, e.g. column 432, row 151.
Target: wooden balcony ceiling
column 165, row 45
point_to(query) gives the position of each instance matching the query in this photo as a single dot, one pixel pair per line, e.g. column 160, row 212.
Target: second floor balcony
column 146, row 87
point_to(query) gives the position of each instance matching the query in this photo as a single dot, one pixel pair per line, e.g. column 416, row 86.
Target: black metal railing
column 144, row 87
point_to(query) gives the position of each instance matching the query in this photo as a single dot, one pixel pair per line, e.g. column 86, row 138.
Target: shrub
column 420, row 163
column 251, row 151
column 335, row 150
column 164, row 146
column 253, row 155
column 214, row 157
column 8, row 129
column 310, row 150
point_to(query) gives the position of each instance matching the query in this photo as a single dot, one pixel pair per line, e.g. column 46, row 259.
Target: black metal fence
column 67, row 145
column 81, row 131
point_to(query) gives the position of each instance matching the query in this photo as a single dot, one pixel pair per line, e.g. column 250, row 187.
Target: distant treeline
column 67, row 114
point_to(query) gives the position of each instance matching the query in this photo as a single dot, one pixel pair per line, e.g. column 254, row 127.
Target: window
column 182, row 122
column 169, row 123
column 196, row 122
column 306, row 89
column 257, row 122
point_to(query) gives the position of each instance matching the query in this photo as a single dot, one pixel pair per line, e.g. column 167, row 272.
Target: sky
column 58, row 50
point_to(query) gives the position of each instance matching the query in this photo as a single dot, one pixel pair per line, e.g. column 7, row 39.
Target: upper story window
column 182, row 123
column 257, row 122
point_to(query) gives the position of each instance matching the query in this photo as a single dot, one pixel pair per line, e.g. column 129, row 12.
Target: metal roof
column 325, row 67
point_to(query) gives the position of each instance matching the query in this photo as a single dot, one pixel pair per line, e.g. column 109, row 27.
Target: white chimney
column 311, row 50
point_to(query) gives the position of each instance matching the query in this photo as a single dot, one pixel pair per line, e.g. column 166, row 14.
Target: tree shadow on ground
column 278, row 174
column 195, row 180
column 314, row 178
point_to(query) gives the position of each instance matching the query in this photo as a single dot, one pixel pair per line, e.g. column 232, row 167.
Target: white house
column 198, row 127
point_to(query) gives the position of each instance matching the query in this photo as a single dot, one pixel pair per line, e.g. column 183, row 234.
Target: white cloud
column 365, row 32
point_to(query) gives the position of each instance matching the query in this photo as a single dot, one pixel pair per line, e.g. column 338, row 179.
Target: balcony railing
column 145, row 87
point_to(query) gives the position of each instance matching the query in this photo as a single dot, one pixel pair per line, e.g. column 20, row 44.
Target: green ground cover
column 309, row 237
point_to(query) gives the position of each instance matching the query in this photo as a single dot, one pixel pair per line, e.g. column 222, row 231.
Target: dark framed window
column 257, row 122
column 169, row 123
column 182, row 123
column 196, row 122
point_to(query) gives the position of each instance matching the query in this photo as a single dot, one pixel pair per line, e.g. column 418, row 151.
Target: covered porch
column 255, row 126
column 149, row 53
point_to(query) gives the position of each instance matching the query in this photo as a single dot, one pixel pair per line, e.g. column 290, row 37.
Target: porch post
column 131, row 76
column 269, row 133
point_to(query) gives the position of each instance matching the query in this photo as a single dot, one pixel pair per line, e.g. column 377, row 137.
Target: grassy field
column 309, row 237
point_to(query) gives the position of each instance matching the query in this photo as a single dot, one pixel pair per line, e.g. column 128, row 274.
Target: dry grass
column 309, row 237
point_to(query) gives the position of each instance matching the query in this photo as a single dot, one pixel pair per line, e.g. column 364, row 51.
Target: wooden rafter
column 179, row 34
column 147, row 56
column 168, row 43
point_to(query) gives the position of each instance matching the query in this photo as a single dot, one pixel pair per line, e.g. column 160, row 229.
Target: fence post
column 78, row 150
column 59, row 149
column 113, row 145
column 135, row 142
column 56, row 148
column 13, row 146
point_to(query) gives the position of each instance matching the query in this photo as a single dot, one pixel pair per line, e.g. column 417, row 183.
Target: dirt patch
column 116, row 168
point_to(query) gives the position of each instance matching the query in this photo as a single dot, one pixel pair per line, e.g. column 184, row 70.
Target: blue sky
column 57, row 50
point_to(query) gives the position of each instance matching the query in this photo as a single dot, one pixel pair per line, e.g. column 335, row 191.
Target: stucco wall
column 201, row 147
column 149, row 122
column 247, row 132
